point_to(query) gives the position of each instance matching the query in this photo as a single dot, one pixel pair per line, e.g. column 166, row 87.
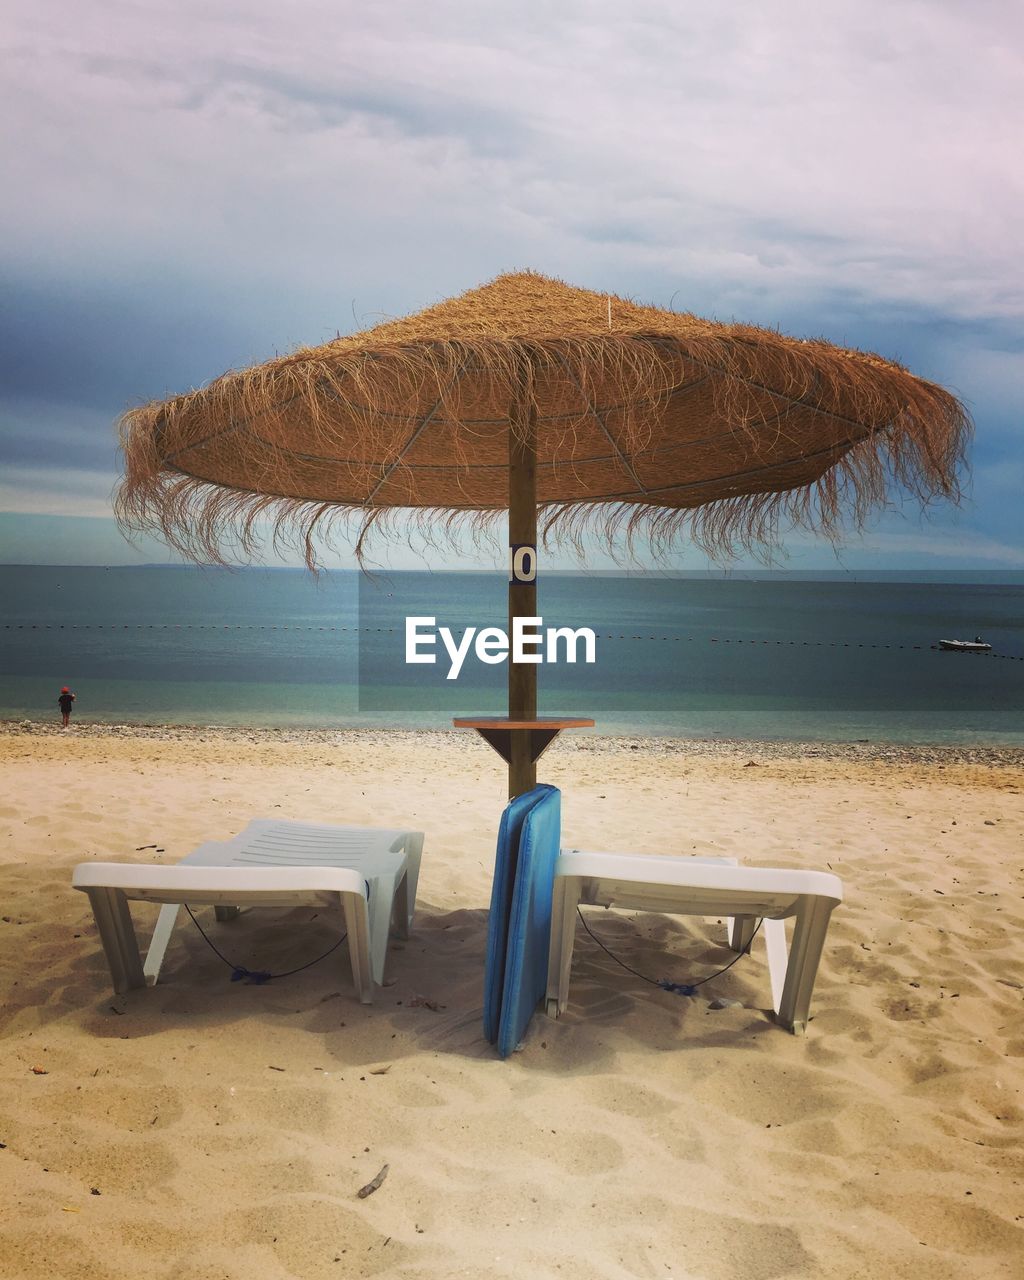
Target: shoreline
column 568, row 744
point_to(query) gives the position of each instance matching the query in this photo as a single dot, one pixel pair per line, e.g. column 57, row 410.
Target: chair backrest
column 506, row 860
column 528, row 928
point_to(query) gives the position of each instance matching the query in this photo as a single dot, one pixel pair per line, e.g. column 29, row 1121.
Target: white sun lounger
column 367, row 872
column 702, row 887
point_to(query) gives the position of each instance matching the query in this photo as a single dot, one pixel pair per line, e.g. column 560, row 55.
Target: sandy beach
column 210, row 1130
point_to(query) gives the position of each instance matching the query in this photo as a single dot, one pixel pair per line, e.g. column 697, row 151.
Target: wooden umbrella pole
column 522, row 585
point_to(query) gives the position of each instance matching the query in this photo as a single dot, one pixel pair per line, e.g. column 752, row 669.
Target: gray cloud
column 55, row 490
column 104, row 342
column 749, row 145
column 191, row 188
column 60, row 437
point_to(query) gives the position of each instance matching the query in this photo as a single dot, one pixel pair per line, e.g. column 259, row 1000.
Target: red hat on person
column 65, row 689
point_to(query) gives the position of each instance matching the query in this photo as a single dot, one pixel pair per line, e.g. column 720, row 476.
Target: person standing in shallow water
column 64, row 702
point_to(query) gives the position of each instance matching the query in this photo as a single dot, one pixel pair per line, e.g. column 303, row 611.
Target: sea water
column 810, row 657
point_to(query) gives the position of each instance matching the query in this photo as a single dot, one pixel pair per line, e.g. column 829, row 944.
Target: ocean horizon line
column 996, row 577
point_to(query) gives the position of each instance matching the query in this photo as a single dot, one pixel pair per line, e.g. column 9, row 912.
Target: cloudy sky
column 190, row 187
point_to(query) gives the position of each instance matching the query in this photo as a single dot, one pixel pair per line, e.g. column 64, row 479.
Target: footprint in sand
column 946, row 1222
column 727, row 1248
column 311, row 1235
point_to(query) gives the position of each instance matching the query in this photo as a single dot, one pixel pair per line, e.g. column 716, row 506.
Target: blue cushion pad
column 529, row 925
column 505, row 864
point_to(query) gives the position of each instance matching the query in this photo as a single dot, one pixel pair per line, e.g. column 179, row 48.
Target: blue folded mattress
column 519, row 923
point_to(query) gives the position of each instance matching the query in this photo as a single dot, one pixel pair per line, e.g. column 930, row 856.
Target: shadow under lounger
column 368, row 874
column 702, row 887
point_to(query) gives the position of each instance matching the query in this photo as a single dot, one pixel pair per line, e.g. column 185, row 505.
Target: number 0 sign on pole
column 523, row 566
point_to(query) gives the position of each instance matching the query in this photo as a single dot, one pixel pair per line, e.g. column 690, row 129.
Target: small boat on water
column 977, row 645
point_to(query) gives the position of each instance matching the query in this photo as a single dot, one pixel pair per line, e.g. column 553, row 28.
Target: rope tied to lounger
column 258, row 977
column 677, row 988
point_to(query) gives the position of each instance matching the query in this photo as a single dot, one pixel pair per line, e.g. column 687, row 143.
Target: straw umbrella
column 586, row 411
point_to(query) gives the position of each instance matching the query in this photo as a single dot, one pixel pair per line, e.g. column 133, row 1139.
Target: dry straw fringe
column 660, row 426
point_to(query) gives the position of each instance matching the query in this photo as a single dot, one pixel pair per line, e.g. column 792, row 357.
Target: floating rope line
column 600, row 635
column 258, row 977
column 677, row 988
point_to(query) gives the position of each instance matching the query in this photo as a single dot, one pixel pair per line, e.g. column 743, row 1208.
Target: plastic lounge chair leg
column 778, row 959
column 741, row 932
column 404, row 906
column 804, row 955
column 357, row 925
column 381, row 908
column 402, row 909
column 117, row 933
column 413, row 857
column 555, row 947
column 165, row 923
column 565, row 896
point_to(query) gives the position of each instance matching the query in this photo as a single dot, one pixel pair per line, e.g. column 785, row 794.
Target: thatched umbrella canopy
column 530, row 395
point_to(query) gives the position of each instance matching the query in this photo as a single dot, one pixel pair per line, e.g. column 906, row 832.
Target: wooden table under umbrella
column 577, row 412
